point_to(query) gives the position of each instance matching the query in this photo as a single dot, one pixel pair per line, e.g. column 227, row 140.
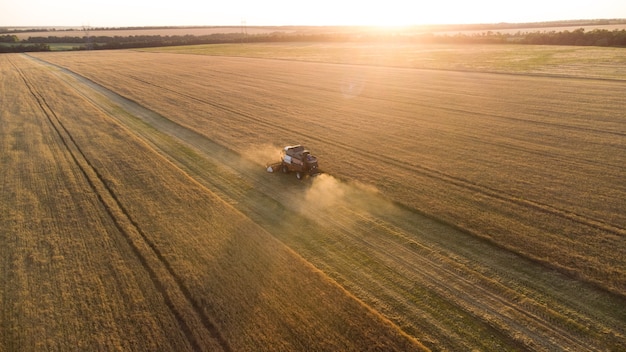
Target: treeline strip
column 578, row 37
column 24, row 48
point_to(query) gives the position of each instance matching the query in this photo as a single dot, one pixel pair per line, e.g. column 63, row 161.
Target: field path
column 448, row 288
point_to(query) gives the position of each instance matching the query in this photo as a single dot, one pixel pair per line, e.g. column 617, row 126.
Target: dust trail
column 325, row 192
column 263, row 154
column 328, row 194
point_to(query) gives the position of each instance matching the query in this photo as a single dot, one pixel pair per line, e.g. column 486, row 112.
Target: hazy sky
column 117, row 13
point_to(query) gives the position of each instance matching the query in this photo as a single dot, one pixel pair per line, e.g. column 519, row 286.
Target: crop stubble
column 514, row 170
column 73, row 265
column 116, row 250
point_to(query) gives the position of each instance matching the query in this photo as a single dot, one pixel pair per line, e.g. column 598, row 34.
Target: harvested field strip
column 392, row 248
column 69, row 283
column 528, row 186
column 187, row 312
column 453, row 283
column 435, row 283
column 216, row 267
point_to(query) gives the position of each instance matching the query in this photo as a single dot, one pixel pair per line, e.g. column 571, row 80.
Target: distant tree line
column 138, row 41
column 596, row 37
column 579, row 37
column 8, row 39
column 11, row 44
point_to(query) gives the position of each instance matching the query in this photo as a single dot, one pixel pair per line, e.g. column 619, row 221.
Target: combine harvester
column 298, row 159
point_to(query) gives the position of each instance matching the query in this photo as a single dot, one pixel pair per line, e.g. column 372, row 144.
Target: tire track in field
column 493, row 303
column 142, row 247
column 423, row 170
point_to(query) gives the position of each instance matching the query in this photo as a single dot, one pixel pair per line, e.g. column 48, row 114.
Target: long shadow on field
column 446, row 287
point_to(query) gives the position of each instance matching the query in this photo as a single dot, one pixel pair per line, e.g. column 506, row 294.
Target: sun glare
column 391, row 13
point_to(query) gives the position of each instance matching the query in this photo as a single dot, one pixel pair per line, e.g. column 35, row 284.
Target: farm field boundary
column 493, row 294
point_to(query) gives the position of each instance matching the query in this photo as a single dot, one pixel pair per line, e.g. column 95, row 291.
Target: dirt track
column 447, row 288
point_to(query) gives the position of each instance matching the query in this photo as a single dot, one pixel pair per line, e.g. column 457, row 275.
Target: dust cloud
column 263, row 154
column 325, row 191
column 345, row 207
column 328, row 193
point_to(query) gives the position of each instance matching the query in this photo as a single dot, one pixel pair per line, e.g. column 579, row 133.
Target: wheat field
column 545, row 161
column 459, row 210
